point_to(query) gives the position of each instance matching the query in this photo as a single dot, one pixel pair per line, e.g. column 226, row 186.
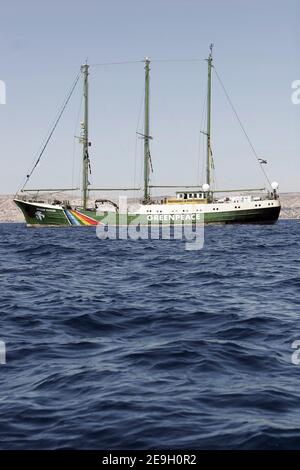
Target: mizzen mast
column 208, row 133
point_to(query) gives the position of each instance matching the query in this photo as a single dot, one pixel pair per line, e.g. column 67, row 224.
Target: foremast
column 146, row 135
column 85, row 136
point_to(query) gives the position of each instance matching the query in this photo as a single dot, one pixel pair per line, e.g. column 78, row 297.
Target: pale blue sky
column 42, row 45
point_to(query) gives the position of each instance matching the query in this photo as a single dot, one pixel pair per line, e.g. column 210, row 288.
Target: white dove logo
column 39, row 215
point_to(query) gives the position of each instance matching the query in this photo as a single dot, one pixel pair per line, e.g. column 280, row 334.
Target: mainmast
column 208, row 134
column 146, row 134
column 85, row 137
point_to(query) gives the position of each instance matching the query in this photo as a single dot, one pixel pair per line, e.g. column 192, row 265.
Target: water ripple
column 143, row 345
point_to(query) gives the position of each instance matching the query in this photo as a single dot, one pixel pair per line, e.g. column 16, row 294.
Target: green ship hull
column 41, row 215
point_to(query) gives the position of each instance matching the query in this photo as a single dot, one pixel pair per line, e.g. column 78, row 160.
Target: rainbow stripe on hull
column 78, row 218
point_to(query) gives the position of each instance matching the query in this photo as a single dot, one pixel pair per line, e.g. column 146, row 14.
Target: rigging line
column 117, row 63
column 241, row 125
column 176, row 60
column 135, row 159
column 203, row 160
column 139, row 61
column 141, row 160
column 75, row 142
column 200, row 154
column 53, row 129
column 136, row 138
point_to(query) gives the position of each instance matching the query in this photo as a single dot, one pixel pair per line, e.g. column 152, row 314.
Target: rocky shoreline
column 9, row 212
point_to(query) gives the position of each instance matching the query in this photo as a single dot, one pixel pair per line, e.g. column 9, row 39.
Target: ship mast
column 147, row 134
column 208, row 133
column 85, row 137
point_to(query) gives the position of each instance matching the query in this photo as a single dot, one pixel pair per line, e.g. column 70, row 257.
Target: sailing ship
column 189, row 204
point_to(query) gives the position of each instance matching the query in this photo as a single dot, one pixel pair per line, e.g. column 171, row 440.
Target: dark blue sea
column 143, row 345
